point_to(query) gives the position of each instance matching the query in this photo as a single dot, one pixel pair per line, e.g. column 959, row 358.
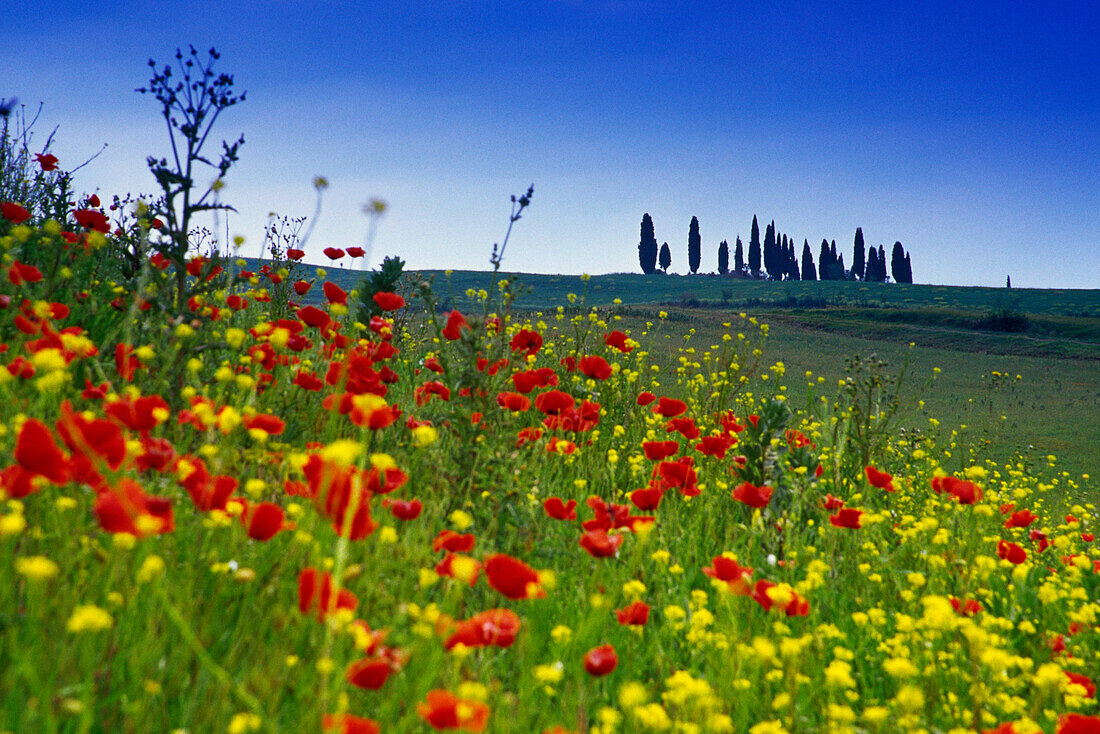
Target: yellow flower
column 36, row 568
column 151, row 568
column 89, row 618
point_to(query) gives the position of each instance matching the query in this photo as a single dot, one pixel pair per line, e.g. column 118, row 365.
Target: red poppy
column 526, row 341
column 555, row 508
column 356, row 251
column 645, row 398
column 456, row 322
column 348, row 724
column 143, row 414
column 1020, row 519
column 13, row 212
column 37, row 452
column 715, row 446
column 294, row 254
column 333, row 253
column 513, row 401
column 495, row 627
column 832, row 503
column 125, row 508
column 263, row 521
column 753, row 496
column 334, row 293
column 599, row 544
column 469, row 567
column 967, row 608
column 684, row 426
column 798, row 606
column 528, row 380
column 19, row 273
column 388, row 301
column 670, row 407
column 879, row 479
column 966, row 492
column 1078, row 724
column 369, row 673
column 449, row 540
column 301, row 287
column 647, row 498
column 443, row 710
column 406, row 510
column 617, row 339
column 92, row 219
column 600, row 660
column 635, row 614
column 1011, row 552
column 734, row 574
column 595, row 367
column 269, row 424
column 512, row 577
column 846, row 517
column 1084, row 681
column 554, row 402
column 315, row 594
column 48, row 161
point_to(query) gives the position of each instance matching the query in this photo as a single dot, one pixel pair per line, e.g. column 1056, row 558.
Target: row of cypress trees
column 775, row 258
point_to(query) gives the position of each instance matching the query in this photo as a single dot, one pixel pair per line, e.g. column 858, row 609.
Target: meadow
column 232, row 513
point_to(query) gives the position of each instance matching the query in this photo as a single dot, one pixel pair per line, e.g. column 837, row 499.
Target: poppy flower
column 1084, row 681
column 92, row 219
column 125, row 508
column 294, row 254
column 334, row 293
column 1078, row 724
column 1011, row 552
column 20, row 273
column 356, row 251
column 315, row 594
column 670, row 407
column 308, row 381
column 635, row 614
column 599, row 544
column 645, row 398
column 1020, row 519
column 388, row 301
column 600, row 660
column 734, row 574
column 596, row 367
column 526, row 341
column 512, row 577
column 348, row 724
column 456, row 322
column 647, row 498
column 449, row 540
column 555, row 508
column 513, row 401
column 617, row 339
column 269, row 424
column 263, row 521
column 333, row 253
column 443, row 710
column 684, row 426
column 832, row 503
column 554, row 402
column 768, row 594
column 48, row 161
column 301, row 287
column 753, row 496
column 494, row 627
column 967, row 608
column 846, row 517
column 369, row 673
column 715, row 446
column 405, row 510
column 37, row 452
column 13, row 212
column 879, row 479
column 528, row 380
column 459, row 567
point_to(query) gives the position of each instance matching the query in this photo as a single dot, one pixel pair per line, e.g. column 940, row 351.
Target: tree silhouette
column 694, row 245
column 647, row 247
column 771, row 253
column 859, row 264
column 881, row 264
column 808, row 271
column 666, row 257
column 723, row 258
column 738, row 257
column 908, row 269
column 754, row 248
column 824, row 266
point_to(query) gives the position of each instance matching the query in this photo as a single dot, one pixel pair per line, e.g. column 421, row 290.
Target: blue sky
column 972, row 134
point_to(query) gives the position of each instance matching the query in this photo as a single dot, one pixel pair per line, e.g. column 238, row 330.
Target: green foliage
column 1005, row 319
column 723, row 258
column 386, row 279
column 694, row 245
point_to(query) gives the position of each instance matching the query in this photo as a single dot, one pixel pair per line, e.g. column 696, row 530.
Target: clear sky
column 971, row 134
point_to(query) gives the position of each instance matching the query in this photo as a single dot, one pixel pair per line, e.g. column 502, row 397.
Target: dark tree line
column 775, row 257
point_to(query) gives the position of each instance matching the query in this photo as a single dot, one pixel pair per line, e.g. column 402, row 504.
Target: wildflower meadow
column 237, row 501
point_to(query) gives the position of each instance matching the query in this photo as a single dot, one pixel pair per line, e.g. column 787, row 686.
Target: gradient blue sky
column 971, row 134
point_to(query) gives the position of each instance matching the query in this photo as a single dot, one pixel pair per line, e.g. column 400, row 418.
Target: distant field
column 1053, row 409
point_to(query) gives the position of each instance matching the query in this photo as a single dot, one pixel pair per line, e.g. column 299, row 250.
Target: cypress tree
column 881, row 264
column 835, row 273
column 792, row 262
column 754, row 248
column 694, row 245
column 871, row 274
column 897, row 263
column 808, row 271
column 824, row 268
column 738, row 257
column 908, row 269
column 723, row 258
column 859, row 264
column 841, row 273
column 647, row 247
column 771, row 252
column 666, row 257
